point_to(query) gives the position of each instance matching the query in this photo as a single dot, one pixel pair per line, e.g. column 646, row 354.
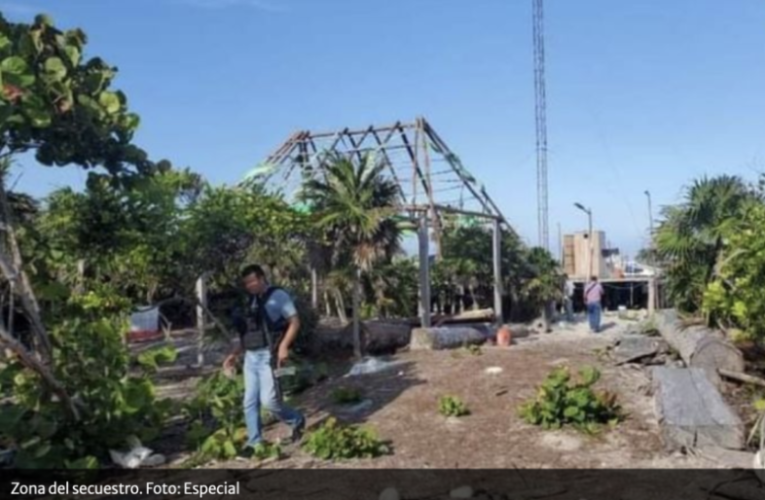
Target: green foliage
column 152, row 359
column 132, row 235
column 334, row 441
column 60, row 104
column 355, row 211
column 545, row 283
column 562, row 401
column 225, row 228
column 217, row 421
column 265, row 451
column 91, row 362
column 734, row 297
column 452, row 406
column 346, row 396
column 691, row 238
column 307, row 374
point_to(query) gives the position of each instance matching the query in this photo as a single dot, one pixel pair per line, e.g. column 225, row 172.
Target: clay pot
column 504, row 336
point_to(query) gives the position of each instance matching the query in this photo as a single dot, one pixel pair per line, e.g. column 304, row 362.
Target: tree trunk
column 15, row 272
column 450, row 337
column 327, row 306
column 474, row 307
column 384, row 336
column 33, row 364
column 699, row 346
column 356, row 313
column 340, row 305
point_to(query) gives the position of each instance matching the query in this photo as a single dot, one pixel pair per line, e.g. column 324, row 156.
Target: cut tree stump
column 450, row 337
column 700, row 347
column 692, row 413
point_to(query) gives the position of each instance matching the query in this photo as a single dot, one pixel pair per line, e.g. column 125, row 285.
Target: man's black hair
column 253, row 269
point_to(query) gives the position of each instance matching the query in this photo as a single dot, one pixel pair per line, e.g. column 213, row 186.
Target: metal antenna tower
column 541, row 122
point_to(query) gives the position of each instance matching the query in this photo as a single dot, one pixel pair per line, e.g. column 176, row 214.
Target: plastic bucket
column 144, row 324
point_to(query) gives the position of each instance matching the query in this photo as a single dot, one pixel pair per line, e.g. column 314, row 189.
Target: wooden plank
column 692, row 413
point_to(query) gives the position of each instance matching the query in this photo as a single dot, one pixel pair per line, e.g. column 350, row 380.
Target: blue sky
column 641, row 95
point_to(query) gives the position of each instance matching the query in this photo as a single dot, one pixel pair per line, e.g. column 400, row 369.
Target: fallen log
column 464, row 317
column 385, row 336
column 699, row 346
column 692, row 413
column 450, row 337
column 378, row 337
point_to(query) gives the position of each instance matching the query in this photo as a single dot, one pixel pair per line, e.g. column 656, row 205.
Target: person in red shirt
column 593, row 294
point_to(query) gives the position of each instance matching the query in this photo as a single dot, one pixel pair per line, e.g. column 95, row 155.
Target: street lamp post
column 588, row 211
column 650, row 217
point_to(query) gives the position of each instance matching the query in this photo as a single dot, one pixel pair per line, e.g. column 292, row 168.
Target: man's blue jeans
column 568, row 305
column 260, row 388
column 593, row 314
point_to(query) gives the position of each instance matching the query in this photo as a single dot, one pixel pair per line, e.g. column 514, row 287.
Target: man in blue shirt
column 266, row 332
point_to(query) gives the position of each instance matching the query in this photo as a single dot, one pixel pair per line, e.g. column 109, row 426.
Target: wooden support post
column 314, row 289
column 424, row 271
column 651, row 296
column 201, row 307
column 497, row 257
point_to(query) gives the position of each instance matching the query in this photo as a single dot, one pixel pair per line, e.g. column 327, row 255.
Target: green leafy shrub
column 346, row 396
column 452, row 406
column 151, row 360
column 562, row 401
column 217, row 420
column 306, row 375
column 264, row 451
column 91, row 363
column 333, row 441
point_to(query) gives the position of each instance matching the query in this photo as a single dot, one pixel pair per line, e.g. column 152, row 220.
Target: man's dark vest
column 261, row 331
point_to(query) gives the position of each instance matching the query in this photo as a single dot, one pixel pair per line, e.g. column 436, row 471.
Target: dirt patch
column 404, row 411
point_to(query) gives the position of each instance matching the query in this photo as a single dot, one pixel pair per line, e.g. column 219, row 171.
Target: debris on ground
column 369, row 366
column 358, row 407
column 137, row 456
column 639, row 349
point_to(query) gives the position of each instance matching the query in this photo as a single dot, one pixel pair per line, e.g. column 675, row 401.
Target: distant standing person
column 568, row 298
column 266, row 333
column 593, row 294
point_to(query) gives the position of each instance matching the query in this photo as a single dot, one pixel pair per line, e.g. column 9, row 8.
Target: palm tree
column 355, row 205
column 545, row 285
column 690, row 239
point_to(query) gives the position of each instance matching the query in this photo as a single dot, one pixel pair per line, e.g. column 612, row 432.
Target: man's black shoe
column 247, row 453
column 297, row 431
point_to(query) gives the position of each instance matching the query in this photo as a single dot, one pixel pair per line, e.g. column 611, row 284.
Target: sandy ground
column 404, row 409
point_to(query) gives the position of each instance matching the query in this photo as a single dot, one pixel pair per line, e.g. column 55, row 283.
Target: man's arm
column 292, row 332
column 289, row 311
